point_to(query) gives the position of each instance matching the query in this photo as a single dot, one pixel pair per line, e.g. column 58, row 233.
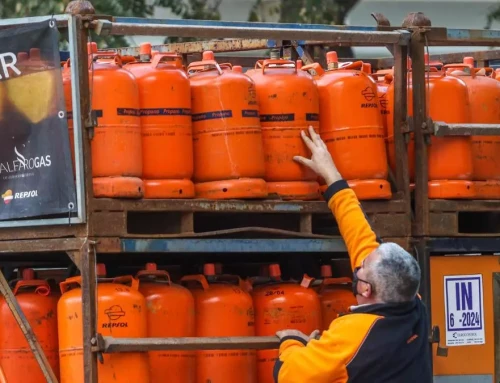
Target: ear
column 366, row 290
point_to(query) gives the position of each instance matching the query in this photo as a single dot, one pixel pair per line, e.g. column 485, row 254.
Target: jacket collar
column 386, row 309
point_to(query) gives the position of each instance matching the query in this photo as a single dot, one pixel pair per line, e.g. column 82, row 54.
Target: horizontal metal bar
column 229, row 45
column 450, row 58
column 41, row 222
column 474, row 36
column 443, row 129
column 104, row 27
column 113, row 345
column 188, row 245
column 449, row 245
column 242, row 24
column 31, row 20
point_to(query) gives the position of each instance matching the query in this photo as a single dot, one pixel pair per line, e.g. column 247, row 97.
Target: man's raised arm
column 354, row 227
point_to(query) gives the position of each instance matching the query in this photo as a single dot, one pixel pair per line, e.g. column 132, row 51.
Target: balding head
column 393, row 273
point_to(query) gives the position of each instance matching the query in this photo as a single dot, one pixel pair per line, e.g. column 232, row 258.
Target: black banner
column 36, row 175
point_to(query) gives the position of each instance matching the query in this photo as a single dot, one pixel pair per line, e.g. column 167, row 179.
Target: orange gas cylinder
column 40, row 309
column 484, row 104
column 335, row 295
column 351, row 126
column 449, row 158
column 66, row 79
column 383, row 79
column 117, row 144
column 228, row 150
column 121, row 313
column 288, row 104
column 283, row 305
column 167, row 137
column 170, row 311
column 223, row 308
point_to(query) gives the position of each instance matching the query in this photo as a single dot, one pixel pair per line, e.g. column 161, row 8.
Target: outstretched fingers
column 316, row 138
column 307, row 141
column 304, row 161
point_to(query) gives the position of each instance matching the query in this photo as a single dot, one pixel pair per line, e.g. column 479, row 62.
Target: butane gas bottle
column 228, row 149
column 449, row 158
column 351, row 126
column 335, row 295
column 288, row 103
column 39, row 307
column 171, row 313
column 117, row 142
column 283, row 305
column 223, row 308
column 121, row 313
column 484, row 104
column 167, row 137
column 383, row 79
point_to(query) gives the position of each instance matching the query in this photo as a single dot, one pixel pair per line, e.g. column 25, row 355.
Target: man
column 385, row 338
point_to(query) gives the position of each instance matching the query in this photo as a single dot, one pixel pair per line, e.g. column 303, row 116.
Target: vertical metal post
column 74, row 30
column 88, row 259
column 89, row 308
column 400, row 122
column 421, row 227
column 421, row 223
column 82, row 116
column 25, row 327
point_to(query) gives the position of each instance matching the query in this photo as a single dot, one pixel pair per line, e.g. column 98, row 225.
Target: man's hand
column 321, row 161
column 283, row 333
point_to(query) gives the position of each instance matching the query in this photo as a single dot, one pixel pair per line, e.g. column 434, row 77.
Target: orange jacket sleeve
column 324, row 360
column 354, row 227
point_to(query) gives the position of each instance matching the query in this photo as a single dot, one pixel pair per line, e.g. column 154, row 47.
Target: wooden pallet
column 464, row 218
column 205, row 218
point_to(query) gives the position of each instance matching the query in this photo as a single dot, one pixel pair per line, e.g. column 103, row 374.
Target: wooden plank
column 265, row 206
column 41, row 245
column 108, row 224
column 391, row 225
column 43, row 232
column 464, row 205
column 443, row 224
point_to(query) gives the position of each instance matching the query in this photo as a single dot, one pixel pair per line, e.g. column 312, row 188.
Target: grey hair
column 395, row 275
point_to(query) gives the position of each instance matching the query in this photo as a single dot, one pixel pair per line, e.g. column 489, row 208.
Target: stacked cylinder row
column 211, row 131
column 459, row 167
column 211, row 304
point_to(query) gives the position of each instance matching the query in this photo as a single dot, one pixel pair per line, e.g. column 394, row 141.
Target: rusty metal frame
column 82, row 251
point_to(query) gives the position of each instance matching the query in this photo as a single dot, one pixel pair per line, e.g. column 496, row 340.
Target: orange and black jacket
column 378, row 343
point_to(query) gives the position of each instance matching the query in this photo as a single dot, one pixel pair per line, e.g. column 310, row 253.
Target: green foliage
column 186, row 9
column 307, row 11
column 493, row 15
column 194, row 10
column 332, row 12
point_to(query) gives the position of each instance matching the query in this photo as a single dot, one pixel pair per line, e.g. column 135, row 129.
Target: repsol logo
column 115, row 325
column 28, row 194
